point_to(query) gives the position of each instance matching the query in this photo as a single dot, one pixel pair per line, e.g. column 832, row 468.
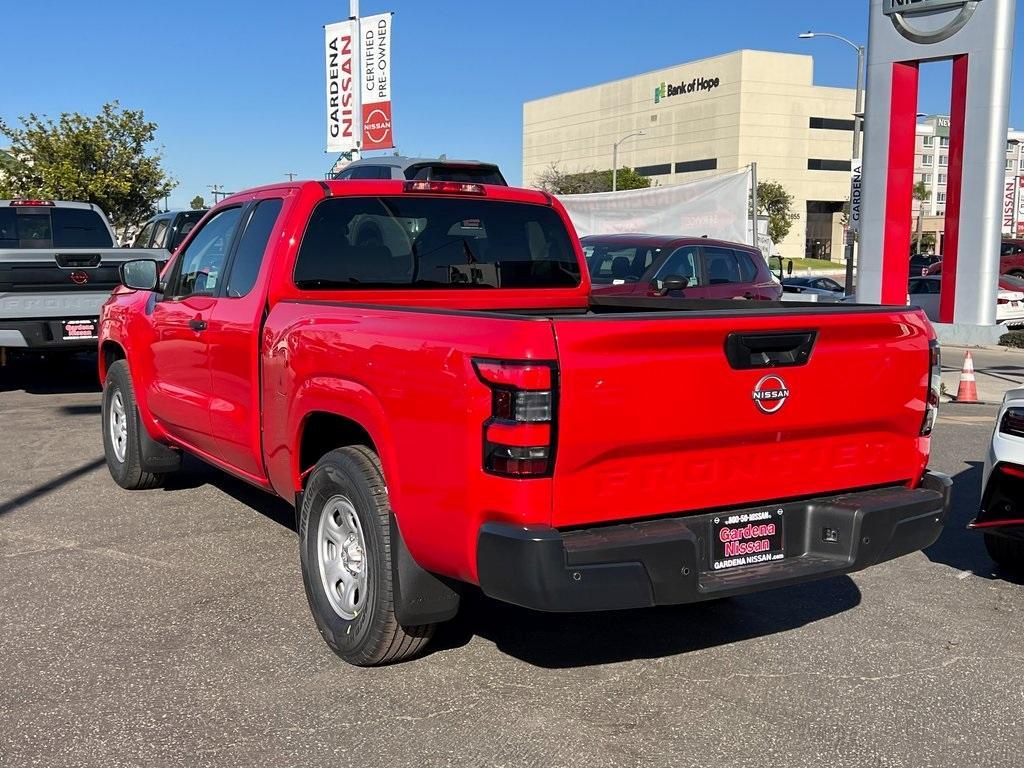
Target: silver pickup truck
column 58, row 264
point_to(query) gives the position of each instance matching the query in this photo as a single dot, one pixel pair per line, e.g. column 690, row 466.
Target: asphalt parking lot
column 170, row 627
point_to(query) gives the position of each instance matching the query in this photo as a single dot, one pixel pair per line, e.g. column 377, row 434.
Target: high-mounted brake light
column 519, row 435
column 446, row 187
column 931, row 409
column 31, row 203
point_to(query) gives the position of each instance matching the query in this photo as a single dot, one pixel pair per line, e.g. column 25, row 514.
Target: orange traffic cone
column 968, row 389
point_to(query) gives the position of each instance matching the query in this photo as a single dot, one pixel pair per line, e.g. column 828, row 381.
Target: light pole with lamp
column 858, row 116
column 615, row 157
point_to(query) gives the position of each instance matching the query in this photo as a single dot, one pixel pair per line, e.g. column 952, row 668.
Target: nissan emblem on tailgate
column 770, row 393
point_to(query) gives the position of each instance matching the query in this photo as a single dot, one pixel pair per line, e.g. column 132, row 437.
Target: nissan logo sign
column 770, row 393
column 938, row 20
column 79, row 277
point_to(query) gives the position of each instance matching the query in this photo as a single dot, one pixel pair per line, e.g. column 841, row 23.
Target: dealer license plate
column 79, row 329
column 747, row 538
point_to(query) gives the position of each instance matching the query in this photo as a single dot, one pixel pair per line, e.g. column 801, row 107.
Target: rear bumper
column 667, row 561
column 42, row 334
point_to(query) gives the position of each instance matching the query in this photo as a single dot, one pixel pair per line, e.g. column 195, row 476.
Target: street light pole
column 615, row 158
column 858, row 117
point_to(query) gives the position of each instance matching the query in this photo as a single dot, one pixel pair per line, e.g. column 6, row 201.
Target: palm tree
column 922, row 194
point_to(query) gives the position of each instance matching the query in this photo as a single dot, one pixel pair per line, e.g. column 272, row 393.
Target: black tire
column 127, row 471
column 1008, row 553
column 373, row 636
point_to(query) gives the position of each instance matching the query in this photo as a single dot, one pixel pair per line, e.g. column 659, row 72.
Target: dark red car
column 1011, row 260
column 681, row 267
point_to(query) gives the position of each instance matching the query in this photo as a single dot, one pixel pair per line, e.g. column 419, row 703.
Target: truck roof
column 363, row 187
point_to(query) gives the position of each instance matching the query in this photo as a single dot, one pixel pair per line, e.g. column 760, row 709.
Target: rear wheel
column 122, row 432
column 345, row 553
column 1009, row 553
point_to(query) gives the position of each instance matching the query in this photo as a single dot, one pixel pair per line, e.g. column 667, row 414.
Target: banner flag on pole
column 375, row 81
column 343, row 123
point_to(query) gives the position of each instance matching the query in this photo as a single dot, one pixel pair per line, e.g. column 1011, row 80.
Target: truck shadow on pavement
column 58, row 375
column 558, row 641
column 959, row 547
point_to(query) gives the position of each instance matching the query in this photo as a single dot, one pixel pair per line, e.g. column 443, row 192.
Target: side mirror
column 140, row 274
column 775, row 266
column 789, row 267
column 669, row 283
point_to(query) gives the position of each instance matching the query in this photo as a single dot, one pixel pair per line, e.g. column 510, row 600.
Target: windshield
column 44, row 227
column 479, row 174
column 434, row 242
column 615, row 263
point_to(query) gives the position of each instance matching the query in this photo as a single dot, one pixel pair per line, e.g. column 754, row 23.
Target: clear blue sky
column 236, row 87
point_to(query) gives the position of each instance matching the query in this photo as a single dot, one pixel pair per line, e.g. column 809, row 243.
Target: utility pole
column 291, row 175
column 215, row 190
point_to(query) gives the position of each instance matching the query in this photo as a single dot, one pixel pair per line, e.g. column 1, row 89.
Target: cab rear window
column 356, row 243
column 44, row 227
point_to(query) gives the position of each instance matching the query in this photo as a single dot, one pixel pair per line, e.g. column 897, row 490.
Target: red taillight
column 1006, row 469
column 31, row 203
column 519, row 435
column 1002, row 301
column 446, row 187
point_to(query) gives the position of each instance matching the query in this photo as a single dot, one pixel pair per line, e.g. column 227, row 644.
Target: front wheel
column 345, row 553
column 122, row 432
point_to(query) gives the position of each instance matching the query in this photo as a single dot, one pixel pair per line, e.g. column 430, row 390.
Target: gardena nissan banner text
column 342, row 101
column 375, row 81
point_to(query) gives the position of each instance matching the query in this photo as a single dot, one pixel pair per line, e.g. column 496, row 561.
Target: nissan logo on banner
column 375, row 81
column 1009, row 205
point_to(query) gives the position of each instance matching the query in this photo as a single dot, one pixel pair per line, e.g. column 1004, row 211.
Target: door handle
column 197, row 324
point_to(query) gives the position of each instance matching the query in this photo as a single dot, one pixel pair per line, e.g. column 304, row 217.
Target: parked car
column 168, row 229
column 1001, row 517
column 925, row 293
column 919, row 263
column 1011, row 260
column 423, row 168
column 58, row 264
column 679, row 267
column 449, row 404
column 824, row 288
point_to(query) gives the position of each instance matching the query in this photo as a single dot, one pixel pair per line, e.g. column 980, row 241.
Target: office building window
column 925, row 178
column 690, row 166
column 1022, row 163
column 940, row 198
column 925, row 160
column 828, row 165
column 943, row 159
column 943, row 141
column 942, row 178
column 655, row 170
column 929, row 141
column 831, row 124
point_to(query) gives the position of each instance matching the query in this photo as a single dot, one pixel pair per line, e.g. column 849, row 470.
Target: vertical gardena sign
column 375, row 76
column 340, row 52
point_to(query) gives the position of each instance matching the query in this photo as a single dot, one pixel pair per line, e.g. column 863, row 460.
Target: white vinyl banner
column 343, row 123
column 375, row 81
column 716, row 207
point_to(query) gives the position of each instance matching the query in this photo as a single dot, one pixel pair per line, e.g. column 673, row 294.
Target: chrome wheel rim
column 341, row 556
column 118, row 426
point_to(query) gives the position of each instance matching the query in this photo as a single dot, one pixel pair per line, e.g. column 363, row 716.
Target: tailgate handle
column 769, row 350
column 77, row 260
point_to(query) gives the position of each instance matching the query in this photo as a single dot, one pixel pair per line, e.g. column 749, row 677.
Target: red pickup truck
column 420, row 368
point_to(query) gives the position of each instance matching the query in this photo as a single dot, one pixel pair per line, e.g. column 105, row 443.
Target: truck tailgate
column 655, row 418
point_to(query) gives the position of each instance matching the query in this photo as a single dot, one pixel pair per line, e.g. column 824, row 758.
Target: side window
column 142, row 239
column 251, row 247
column 159, row 233
column 748, row 270
column 683, row 262
column 203, row 261
column 723, row 267
column 370, row 172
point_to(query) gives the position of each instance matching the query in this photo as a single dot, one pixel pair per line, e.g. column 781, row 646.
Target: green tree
column 775, row 202
column 104, row 159
column 557, row 182
column 922, row 194
column 198, row 203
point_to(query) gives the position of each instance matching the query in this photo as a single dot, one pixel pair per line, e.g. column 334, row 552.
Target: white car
column 1001, row 517
column 924, row 293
